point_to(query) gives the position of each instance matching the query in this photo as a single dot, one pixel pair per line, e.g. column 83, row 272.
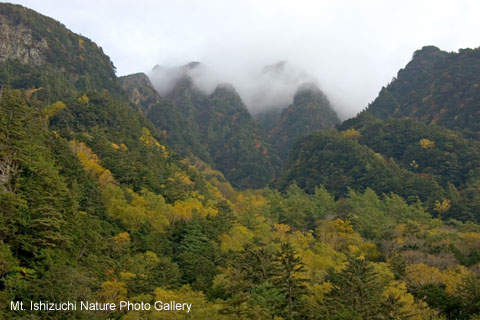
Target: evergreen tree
column 356, row 292
column 290, row 280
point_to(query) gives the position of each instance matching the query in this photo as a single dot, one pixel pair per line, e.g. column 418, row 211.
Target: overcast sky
column 352, row 47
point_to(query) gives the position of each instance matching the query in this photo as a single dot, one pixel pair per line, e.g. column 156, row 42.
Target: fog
column 270, row 87
column 352, row 48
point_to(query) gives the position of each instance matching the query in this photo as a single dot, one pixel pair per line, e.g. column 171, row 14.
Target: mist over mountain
column 204, row 118
column 310, row 111
column 164, row 79
column 285, row 100
column 271, row 87
column 274, row 86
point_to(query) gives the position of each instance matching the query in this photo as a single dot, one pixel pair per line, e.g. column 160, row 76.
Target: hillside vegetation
column 104, row 199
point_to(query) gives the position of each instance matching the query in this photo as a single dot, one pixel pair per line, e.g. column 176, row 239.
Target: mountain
column 436, row 87
column 235, row 141
column 166, row 116
column 429, row 151
column 310, row 111
column 84, row 175
column 339, row 163
column 94, row 207
column 32, row 46
column 184, row 86
column 273, row 89
column 220, row 131
column 440, row 152
column 274, row 86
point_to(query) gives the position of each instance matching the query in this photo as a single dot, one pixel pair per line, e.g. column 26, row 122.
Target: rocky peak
column 18, row 43
column 140, row 90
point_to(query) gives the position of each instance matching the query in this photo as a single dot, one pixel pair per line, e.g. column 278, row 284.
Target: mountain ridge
column 435, row 87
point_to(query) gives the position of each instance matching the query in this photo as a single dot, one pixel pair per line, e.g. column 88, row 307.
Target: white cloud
column 352, row 47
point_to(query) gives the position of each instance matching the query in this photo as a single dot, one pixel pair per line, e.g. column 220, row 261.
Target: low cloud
column 271, row 87
column 352, row 48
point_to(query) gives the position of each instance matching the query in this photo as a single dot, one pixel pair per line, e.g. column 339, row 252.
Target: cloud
column 271, row 87
column 352, row 47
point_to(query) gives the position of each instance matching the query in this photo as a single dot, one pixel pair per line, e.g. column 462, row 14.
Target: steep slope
column 215, row 127
column 338, row 162
column 166, row 116
column 427, row 150
column 38, row 51
column 273, row 89
column 234, row 140
column 309, row 112
column 418, row 147
column 87, row 189
column 436, row 87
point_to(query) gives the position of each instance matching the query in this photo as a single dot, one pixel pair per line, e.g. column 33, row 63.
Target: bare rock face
column 16, row 42
column 140, row 90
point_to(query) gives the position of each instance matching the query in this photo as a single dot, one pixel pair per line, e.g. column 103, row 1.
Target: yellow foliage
column 216, row 181
column 317, row 265
column 112, row 291
column 29, row 92
column 427, row 144
column 115, row 146
column 281, row 231
column 53, row 109
column 384, row 273
column 302, row 240
column 469, row 242
column 342, row 226
column 201, row 308
column 152, row 257
column 442, row 206
column 121, row 242
column 319, row 259
column 403, row 303
column 454, row 277
column 351, row 134
column 183, row 179
column 339, row 234
column 147, row 207
column 144, row 208
column 398, row 289
column 150, row 141
column 236, row 239
column 91, row 164
column 185, row 210
column 419, row 275
column 368, row 250
column 318, row 292
column 127, row 276
column 249, row 201
column 216, row 192
column 83, row 99
column 122, row 238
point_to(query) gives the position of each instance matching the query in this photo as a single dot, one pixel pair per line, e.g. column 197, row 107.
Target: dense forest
column 111, row 192
column 436, row 87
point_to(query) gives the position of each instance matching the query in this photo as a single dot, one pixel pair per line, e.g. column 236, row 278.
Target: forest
column 106, row 198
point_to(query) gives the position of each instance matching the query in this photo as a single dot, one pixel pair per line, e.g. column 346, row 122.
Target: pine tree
column 356, row 292
column 289, row 280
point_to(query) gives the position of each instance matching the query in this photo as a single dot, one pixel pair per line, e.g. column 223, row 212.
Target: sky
column 352, row 48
